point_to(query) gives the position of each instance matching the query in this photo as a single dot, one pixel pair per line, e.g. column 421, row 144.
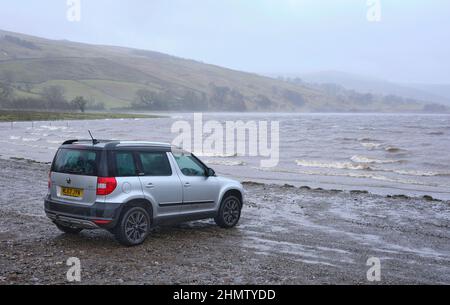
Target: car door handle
column 187, row 184
column 150, row 185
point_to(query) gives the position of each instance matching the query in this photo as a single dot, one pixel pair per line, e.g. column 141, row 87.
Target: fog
column 409, row 42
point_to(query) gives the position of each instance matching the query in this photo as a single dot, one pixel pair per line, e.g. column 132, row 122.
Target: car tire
column 68, row 230
column 133, row 227
column 229, row 212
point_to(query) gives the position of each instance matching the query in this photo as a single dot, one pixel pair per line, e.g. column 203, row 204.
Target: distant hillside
column 440, row 90
column 365, row 84
column 119, row 77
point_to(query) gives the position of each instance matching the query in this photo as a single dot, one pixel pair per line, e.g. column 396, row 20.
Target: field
column 113, row 75
column 14, row 116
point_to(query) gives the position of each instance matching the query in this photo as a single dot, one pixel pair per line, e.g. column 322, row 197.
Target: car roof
column 114, row 144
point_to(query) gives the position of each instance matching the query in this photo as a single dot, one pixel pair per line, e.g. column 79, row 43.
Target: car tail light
column 106, row 185
column 49, row 180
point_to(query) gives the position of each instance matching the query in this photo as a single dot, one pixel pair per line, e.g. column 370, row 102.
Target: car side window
column 189, row 166
column 155, row 164
column 125, row 166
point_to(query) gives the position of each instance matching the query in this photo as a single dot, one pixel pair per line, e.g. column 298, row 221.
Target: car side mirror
column 210, row 172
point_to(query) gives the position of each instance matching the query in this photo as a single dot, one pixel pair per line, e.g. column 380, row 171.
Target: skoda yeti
column 127, row 187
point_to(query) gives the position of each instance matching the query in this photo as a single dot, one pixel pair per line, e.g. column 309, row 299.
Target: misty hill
column 366, row 84
column 117, row 77
column 440, row 90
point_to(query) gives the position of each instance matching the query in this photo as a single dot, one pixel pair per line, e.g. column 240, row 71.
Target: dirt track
column 286, row 236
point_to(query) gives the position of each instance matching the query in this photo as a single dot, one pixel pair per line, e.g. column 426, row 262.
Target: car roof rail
column 68, row 142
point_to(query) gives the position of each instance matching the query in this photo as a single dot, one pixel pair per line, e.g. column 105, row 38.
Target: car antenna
column 94, row 141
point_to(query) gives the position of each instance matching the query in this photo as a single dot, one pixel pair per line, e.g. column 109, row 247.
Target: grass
column 15, row 116
column 112, row 75
column 75, row 88
column 113, row 94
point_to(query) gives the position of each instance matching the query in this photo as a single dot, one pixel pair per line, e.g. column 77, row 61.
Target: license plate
column 71, row 192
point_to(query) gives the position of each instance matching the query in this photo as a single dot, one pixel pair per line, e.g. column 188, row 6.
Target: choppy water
column 387, row 154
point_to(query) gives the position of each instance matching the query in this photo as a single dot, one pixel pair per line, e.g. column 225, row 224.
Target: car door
column 200, row 192
column 159, row 182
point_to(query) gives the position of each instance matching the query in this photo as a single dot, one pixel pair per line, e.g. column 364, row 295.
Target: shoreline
column 355, row 191
column 256, row 182
column 286, row 235
column 30, row 116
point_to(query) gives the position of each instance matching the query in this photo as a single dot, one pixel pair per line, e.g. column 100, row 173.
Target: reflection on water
column 389, row 154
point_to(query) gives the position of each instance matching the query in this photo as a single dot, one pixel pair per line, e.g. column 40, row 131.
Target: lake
column 396, row 154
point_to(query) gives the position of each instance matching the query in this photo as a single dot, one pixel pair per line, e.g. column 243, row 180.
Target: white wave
column 421, row 173
column 368, row 160
column 226, row 162
column 214, row 154
column 383, row 178
column 402, row 181
column 370, row 145
column 53, row 127
column 14, row 138
column 30, row 139
column 54, row 141
column 360, row 175
column 331, row 164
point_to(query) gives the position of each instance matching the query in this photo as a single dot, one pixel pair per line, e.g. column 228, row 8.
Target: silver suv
column 127, row 187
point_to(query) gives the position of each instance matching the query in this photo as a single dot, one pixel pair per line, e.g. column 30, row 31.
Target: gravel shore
column 286, row 235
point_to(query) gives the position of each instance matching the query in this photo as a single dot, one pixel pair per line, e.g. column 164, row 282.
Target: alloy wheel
column 231, row 211
column 136, row 226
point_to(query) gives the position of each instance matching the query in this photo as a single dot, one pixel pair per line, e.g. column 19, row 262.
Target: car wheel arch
column 140, row 202
column 232, row 192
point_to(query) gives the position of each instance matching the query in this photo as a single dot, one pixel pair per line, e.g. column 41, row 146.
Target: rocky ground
column 286, row 235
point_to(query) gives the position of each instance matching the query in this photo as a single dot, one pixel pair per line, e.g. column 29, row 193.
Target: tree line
column 218, row 98
column 50, row 98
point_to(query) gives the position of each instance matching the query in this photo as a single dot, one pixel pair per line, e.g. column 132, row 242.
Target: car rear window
column 77, row 162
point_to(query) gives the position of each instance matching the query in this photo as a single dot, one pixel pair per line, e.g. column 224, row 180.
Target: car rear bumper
column 98, row 215
column 72, row 222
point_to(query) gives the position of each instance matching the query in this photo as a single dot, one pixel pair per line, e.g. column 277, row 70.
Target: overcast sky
column 411, row 43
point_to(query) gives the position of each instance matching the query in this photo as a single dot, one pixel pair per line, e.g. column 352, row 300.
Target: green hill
column 113, row 75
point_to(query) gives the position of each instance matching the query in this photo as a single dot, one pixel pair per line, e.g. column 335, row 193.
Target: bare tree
column 6, row 92
column 80, row 102
column 145, row 97
column 54, row 95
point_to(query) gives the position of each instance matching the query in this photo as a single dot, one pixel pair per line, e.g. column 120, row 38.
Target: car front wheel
column 229, row 212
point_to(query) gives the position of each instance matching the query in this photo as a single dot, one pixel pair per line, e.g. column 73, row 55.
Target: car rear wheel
column 68, row 230
column 229, row 212
column 133, row 226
